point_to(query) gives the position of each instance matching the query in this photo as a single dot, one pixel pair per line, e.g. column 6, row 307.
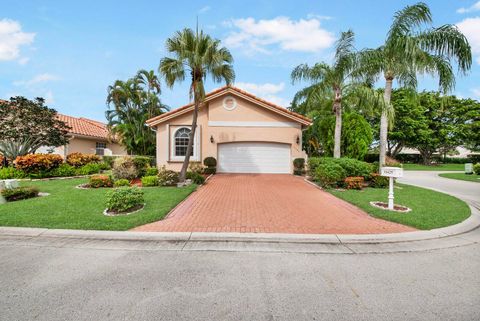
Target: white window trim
column 196, row 146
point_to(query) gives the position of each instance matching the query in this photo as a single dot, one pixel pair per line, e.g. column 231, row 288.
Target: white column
column 390, row 193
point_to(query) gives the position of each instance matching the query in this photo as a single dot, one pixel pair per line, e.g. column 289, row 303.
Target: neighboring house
column 244, row 133
column 460, row 152
column 86, row 136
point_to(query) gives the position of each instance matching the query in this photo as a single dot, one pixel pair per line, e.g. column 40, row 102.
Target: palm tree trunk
column 337, row 106
column 186, row 161
column 384, row 121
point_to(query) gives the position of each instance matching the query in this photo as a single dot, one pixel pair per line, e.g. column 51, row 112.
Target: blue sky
column 70, row 51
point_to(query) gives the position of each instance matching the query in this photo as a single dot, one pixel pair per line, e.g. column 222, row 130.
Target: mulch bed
column 396, row 208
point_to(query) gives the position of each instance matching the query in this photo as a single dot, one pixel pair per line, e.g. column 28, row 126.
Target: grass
column 69, row 208
column 462, row 176
column 430, row 209
column 440, row 167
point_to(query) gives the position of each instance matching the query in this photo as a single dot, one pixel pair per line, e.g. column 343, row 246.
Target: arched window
column 182, row 136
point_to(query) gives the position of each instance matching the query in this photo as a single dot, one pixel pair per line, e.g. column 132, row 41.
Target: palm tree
column 412, row 49
column 134, row 101
column 195, row 54
column 333, row 82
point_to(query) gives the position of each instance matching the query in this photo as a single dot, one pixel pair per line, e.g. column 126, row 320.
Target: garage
column 254, row 157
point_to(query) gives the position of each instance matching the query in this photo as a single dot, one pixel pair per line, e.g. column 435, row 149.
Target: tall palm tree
column 333, row 82
column 411, row 48
column 198, row 55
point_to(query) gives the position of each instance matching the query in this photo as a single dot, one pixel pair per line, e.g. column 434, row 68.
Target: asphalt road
column 61, row 279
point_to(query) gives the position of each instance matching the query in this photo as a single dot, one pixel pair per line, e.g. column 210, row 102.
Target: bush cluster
column 124, row 198
column 38, row 163
column 148, row 181
column 80, row 159
column 100, row 180
column 299, row 166
column 121, row 182
column 378, row 181
column 63, row 170
column 331, row 172
column 11, row 172
column 19, row 193
column 124, row 168
column 476, row 168
column 151, row 171
column 142, row 163
column 167, row 177
column 88, row 169
column 196, row 177
column 354, row 182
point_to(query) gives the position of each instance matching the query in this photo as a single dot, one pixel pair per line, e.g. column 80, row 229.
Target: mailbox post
column 391, row 173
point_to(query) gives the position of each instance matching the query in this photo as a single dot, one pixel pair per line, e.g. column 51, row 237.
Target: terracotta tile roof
column 85, row 126
column 224, row 88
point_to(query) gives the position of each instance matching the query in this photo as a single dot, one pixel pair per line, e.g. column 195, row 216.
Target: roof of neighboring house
column 85, row 127
column 239, row 92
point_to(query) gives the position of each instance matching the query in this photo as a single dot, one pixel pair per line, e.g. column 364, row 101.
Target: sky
column 69, row 52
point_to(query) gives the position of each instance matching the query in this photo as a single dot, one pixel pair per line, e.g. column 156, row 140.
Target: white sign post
column 391, row 173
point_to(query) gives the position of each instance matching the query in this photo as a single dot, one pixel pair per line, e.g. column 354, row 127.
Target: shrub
column 392, row 162
column 209, row 170
column 210, row 162
column 109, row 160
column 196, row 178
column 378, row 181
column 329, row 174
column 104, row 166
column 167, row 177
column 89, row 169
column 151, row 171
column 299, row 163
column 148, row 181
column 80, row 159
column 313, row 163
column 354, row 167
column 19, row 193
column 195, row 167
column 11, row 172
column 121, row 182
column 124, row 198
column 38, row 163
column 476, row 168
column 63, row 170
column 96, row 181
column 141, row 164
column 124, row 167
column 354, row 182
column 2, row 160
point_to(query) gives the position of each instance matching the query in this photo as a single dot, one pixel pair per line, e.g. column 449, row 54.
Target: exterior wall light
column 211, row 139
column 298, row 139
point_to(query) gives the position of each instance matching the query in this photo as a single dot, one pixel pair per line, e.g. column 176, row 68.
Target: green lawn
column 440, row 167
column 430, row 209
column 462, row 176
column 69, row 208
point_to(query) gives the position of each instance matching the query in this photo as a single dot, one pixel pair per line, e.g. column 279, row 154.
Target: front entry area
column 254, row 157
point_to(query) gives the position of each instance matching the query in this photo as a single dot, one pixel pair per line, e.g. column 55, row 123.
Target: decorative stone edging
column 375, row 204
column 43, row 194
column 105, row 212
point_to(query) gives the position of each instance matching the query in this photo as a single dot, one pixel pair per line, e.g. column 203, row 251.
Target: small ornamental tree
column 25, row 125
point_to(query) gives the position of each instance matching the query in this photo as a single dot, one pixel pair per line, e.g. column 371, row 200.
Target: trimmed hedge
column 38, row 163
column 121, row 182
column 148, row 181
column 476, row 168
column 19, row 193
column 196, row 178
column 329, row 174
column 11, row 172
column 96, row 181
column 80, row 159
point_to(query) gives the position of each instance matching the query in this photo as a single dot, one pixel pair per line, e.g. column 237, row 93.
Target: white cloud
column 204, row 9
column 473, row 7
column 266, row 91
column 476, row 91
column 12, row 38
column 23, row 61
column 49, row 97
column 35, row 80
column 304, row 35
column 470, row 27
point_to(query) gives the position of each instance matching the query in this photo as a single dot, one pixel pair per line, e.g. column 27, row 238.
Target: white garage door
column 254, row 158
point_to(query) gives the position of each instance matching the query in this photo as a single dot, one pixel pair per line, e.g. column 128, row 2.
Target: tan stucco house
column 86, row 136
column 244, row 133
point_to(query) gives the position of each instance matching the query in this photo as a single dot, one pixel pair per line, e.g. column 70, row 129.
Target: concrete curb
column 466, row 226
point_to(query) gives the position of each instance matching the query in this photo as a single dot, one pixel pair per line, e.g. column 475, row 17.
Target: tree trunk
column 384, row 121
column 186, row 161
column 337, row 106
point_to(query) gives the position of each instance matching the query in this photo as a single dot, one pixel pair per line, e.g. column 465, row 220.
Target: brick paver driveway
column 268, row 203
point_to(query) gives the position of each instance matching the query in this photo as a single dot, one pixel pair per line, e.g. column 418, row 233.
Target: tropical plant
column 412, row 47
column 333, row 83
column 197, row 55
column 124, row 168
column 26, row 125
column 131, row 103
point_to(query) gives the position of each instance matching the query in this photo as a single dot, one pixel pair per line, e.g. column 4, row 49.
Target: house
column 86, row 136
column 244, row 133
